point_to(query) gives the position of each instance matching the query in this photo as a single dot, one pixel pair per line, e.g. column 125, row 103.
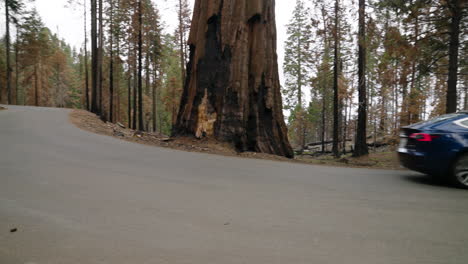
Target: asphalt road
column 77, row 197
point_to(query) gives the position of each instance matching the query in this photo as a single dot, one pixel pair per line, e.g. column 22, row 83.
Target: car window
column 462, row 122
column 438, row 119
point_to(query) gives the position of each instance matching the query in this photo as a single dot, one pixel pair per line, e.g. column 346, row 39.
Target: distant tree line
column 354, row 70
column 36, row 66
column 127, row 70
column 402, row 62
column 136, row 70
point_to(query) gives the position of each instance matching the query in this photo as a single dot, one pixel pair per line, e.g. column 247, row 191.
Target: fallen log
column 326, row 143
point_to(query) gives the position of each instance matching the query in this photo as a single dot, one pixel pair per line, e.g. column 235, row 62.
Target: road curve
column 77, row 197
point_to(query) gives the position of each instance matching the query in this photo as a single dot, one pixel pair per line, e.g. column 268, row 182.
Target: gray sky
column 69, row 22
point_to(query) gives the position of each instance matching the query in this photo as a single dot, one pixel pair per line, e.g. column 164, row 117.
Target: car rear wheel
column 460, row 172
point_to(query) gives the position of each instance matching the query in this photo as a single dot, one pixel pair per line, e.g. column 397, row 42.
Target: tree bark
column 36, row 87
column 100, row 59
column 147, row 86
column 232, row 90
column 360, row 148
column 336, row 100
column 94, row 58
column 117, row 113
column 135, row 90
column 140, row 67
column 129, row 100
column 111, row 66
column 299, row 94
column 154, row 105
column 325, row 82
column 7, row 46
column 456, row 11
column 465, row 105
column 17, row 72
column 181, row 43
column 323, row 123
column 86, row 57
column 413, row 112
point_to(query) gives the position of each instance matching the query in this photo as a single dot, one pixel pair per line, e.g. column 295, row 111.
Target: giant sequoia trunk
column 232, row 89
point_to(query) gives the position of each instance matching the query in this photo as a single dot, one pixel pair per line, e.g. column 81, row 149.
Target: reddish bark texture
column 232, row 88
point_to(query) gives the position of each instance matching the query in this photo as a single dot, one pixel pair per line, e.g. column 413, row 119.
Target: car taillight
column 423, row 137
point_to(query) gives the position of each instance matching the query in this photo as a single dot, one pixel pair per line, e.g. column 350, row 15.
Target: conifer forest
column 353, row 72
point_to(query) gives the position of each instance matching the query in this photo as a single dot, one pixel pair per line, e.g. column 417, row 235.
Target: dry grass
column 90, row 122
column 378, row 160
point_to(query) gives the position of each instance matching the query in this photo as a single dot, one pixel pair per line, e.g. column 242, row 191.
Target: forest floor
column 382, row 159
column 90, row 122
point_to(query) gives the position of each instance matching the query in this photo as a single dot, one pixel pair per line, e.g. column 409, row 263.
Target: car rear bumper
column 412, row 161
column 424, row 162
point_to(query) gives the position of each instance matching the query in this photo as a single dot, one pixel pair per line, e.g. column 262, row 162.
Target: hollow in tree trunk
column 232, row 88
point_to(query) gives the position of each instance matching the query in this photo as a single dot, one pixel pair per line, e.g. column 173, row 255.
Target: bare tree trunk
column 336, row 104
column 135, row 92
column 86, row 57
column 383, row 111
column 94, row 58
column 7, row 46
column 301, row 127
column 413, row 104
column 147, row 74
column 118, row 112
column 129, row 102
column 345, row 126
column 232, row 90
column 456, row 11
column 465, row 104
column 140, row 68
column 17, row 71
column 323, row 123
column 111, row 66
column 384, row 90
column 100, row 60
column 154, row 101
column 36, row 87
column 360, row 148
column 325, row 82
column 395, row 99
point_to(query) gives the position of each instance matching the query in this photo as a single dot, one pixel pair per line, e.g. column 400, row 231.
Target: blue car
column 437, row 147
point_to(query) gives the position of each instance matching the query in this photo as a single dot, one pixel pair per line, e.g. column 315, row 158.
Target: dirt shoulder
column 2, row 108
column 375, row 160
column 90, row 122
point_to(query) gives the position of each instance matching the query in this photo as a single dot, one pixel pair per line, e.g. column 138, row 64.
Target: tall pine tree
column 298, row 68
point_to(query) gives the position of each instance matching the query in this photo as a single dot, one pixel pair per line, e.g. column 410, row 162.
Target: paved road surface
column 77, row 197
